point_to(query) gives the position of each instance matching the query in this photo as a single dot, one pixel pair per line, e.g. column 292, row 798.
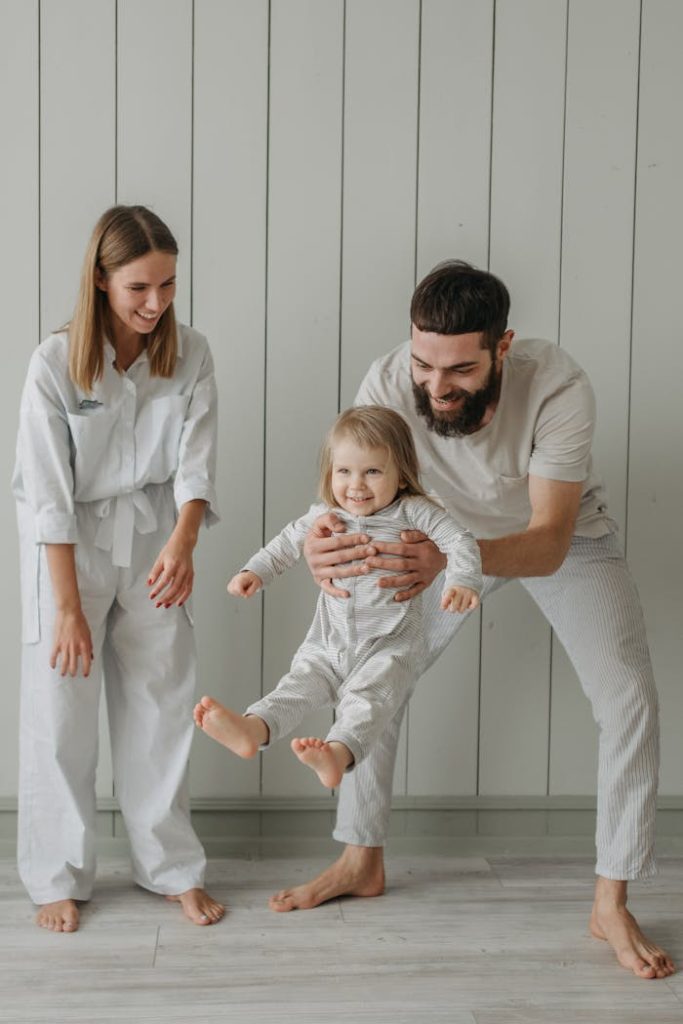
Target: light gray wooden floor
column 464, row 941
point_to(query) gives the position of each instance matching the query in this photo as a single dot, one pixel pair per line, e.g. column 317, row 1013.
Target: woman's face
column 140, row 291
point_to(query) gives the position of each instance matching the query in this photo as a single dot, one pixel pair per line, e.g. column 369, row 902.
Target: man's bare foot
column 329, row 761
column 60, row 916
column 198, row 906
column 241, row 734
column 358, row 872
column 611, row 921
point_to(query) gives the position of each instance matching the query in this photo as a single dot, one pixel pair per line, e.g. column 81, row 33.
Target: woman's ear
column 100, row 280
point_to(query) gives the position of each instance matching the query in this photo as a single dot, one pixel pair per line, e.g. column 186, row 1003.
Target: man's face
column 456, row 382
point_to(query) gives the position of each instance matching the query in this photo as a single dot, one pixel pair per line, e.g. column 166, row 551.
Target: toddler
column 363, row 653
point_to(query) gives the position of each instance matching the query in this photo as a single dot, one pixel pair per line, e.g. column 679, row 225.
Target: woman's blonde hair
column 372, row 426
column 121, row 235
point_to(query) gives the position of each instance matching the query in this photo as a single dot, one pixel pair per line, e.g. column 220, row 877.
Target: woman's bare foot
column 239, row 733
column 612, row 922
column 329, row 761
column 358, row 872
column 60, row 916
column 198, row 906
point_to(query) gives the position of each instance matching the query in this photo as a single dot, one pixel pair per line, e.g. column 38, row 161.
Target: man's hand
column 328, row 550
column 416, row 560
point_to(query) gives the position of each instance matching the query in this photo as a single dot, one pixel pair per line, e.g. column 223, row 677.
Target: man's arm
column 537, row 551
column 540, row 549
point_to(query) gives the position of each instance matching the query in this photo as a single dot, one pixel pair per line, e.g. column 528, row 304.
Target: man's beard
column 468, row 417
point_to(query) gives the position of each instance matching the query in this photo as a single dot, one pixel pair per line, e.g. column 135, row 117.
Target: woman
column 114, row 475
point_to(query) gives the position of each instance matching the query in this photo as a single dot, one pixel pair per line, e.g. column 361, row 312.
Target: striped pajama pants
column 592, row 604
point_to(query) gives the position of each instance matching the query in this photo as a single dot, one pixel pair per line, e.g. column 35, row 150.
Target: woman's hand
column 72, row 641
column 417, row 562
column 245, row 584
column 172, row 575
column 328, row 550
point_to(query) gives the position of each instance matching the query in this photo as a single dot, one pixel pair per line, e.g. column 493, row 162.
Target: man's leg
column 593, row 606
column 365, row 794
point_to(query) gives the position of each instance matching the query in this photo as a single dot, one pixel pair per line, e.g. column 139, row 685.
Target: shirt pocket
column 512, row 496
column 95, row 459
column 158, row 436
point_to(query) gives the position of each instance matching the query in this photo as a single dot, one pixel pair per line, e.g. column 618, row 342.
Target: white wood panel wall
column 314, row 158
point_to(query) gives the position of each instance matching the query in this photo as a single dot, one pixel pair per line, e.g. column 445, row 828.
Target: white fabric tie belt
column 120, row 518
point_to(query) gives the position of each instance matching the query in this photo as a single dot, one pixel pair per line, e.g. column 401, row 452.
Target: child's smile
column 364, row 480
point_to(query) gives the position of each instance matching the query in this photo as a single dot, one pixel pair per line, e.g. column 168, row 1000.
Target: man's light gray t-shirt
column 543, row 426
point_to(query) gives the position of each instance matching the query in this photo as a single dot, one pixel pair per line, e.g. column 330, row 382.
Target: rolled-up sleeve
column 44, row 477
column 196, row 473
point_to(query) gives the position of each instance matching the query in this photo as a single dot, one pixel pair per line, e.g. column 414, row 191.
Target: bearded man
column 503, row 433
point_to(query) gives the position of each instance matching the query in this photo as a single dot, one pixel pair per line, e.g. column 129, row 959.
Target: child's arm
column 459, row 599
column 245, row 584
column 463, row 567
column 280, row 553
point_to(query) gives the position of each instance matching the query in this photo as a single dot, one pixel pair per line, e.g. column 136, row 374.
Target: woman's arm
column 172, row 575
column 72, row 639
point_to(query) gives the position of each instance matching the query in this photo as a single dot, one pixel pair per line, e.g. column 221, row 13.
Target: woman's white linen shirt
column 131, row 431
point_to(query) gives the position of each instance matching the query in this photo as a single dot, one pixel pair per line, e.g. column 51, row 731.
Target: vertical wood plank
column 19, row 256
column 77, row 133
column 380, row 161
column 77, row 143
column 229, row 235
column 455, row 132
column 597, row 252
column 526, row 184
column 304, row 239
column 154, row 132
column 655, row 495
column 380, row 170
column 453, row 209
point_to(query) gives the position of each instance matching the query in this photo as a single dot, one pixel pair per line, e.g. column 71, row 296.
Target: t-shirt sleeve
column 564, row 432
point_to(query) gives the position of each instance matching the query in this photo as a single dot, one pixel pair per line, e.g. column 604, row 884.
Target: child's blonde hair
column 121, row 235
column 372, row 426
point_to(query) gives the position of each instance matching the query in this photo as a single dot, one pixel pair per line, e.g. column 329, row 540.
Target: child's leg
column 369, row 698
column 328, row 760
column 310, row 684
column 239, row 733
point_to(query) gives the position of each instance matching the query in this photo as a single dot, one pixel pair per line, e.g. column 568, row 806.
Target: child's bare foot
column 243, row 735
column 329, row 761
column 60, row 916
column 198, row 906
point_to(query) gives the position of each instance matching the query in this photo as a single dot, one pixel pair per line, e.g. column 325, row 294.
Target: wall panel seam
column 633, row 281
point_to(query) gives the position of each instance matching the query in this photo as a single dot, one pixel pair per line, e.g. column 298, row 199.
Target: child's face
column 364, row 480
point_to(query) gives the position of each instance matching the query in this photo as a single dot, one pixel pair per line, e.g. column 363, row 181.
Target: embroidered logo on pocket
column 89, row 403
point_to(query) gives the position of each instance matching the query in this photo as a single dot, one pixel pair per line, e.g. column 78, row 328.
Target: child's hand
column 245, row 584
column 459, row 599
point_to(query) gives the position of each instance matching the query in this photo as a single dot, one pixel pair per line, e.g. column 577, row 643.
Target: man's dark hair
column 456, row 298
